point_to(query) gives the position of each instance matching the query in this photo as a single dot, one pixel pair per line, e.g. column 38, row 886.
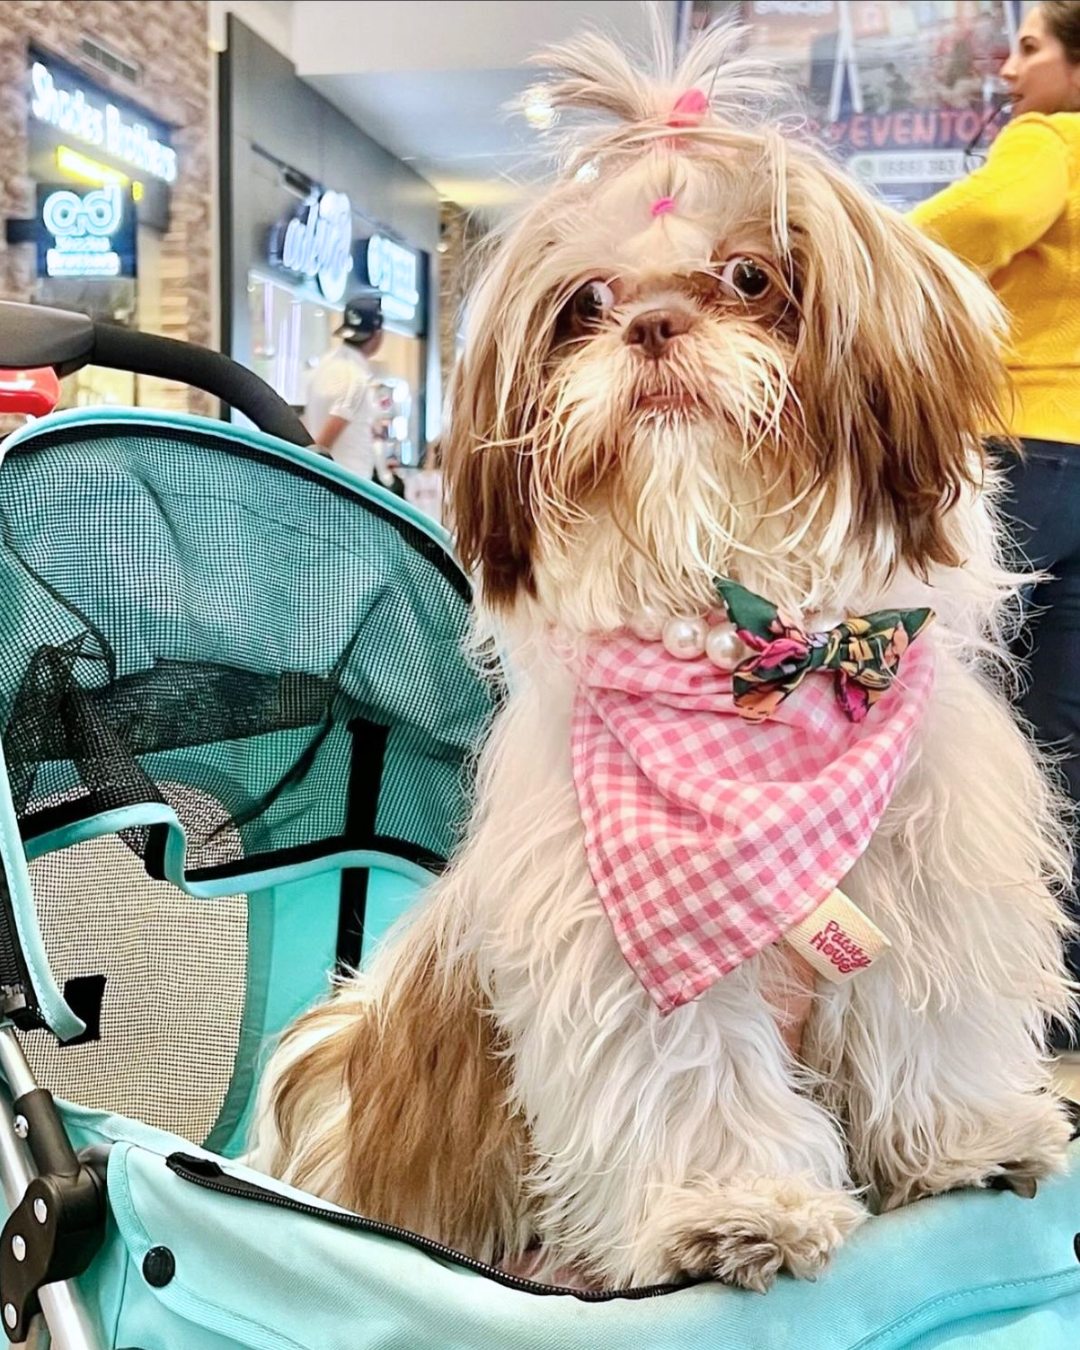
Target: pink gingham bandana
column 709, row 836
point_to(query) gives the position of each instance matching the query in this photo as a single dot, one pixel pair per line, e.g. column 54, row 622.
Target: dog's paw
column 1004, row 1157
column 746, row 1231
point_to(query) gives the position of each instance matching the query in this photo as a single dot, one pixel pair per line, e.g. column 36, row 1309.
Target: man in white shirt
column 341, row 407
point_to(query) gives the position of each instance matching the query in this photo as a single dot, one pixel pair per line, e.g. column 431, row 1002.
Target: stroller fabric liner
column 234, row 676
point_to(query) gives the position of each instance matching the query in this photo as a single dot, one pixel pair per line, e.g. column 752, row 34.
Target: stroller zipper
column 210, row 1176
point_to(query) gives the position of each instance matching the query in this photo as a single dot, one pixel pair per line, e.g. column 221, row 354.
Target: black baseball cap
column 362, row 319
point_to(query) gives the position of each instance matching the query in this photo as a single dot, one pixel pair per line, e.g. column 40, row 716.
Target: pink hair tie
column 662, row 206
column 689, row 110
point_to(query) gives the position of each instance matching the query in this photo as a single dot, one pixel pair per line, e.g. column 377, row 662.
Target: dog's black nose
column 653, row 332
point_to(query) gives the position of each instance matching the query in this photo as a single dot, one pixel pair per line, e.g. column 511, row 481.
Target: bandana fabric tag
column 837, row 939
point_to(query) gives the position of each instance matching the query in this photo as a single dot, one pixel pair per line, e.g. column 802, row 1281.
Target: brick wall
column 168, row 40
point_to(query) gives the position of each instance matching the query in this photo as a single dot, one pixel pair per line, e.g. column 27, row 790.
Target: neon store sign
column 77, row 113
column 317, row 243
column 86, row 235
column 392, row 270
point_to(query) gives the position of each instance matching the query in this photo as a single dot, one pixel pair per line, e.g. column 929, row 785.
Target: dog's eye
column 745, row 277
column 592, row 303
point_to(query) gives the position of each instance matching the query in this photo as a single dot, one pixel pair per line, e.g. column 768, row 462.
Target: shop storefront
column 314, row 212
column 905, row 92
column 107, row 203
column 103, row 169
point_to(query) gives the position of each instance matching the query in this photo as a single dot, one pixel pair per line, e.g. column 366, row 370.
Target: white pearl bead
column 684, row 638
column 724, row 648
column 648, row 623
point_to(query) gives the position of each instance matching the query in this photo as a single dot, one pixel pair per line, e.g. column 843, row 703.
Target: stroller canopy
column 231, row 653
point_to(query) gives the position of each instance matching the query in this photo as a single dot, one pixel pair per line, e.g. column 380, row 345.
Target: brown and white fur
column 498, row 1079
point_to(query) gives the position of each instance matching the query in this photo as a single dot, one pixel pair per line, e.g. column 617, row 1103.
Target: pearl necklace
column 687, row 637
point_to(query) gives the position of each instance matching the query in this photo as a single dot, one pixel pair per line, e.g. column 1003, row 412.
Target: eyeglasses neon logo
column 83, row 227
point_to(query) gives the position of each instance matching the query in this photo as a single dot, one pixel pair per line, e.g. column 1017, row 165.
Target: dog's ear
column 900, row 348
column 487, row 468
column 496, row 405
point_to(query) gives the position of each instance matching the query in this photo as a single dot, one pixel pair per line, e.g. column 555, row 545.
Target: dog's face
column 711, row 353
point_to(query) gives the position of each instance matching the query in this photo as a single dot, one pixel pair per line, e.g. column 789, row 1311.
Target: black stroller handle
column 33, row 336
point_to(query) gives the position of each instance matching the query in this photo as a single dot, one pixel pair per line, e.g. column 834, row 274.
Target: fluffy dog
column 703, row 354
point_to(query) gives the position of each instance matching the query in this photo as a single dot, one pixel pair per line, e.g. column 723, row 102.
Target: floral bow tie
column 863, row 652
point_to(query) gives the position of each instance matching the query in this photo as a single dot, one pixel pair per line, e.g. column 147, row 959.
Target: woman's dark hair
column 1063, row 20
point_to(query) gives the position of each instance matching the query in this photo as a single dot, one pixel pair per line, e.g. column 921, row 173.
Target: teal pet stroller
column 236, row 726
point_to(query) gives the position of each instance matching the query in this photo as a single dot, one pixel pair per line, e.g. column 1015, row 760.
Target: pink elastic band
column 662, row 206
column 689, row 110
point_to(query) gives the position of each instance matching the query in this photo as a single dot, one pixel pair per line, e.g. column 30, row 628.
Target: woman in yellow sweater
column 1018, row 221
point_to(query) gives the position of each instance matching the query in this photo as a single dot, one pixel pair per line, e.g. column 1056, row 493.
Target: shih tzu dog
column 715, row 453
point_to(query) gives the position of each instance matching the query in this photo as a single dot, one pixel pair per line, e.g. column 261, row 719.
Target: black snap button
column 158, row 1267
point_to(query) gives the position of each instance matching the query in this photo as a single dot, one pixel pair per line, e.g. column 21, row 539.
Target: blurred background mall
column 214, row 138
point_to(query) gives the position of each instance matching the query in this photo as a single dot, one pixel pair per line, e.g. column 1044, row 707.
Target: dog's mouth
column 666, row 401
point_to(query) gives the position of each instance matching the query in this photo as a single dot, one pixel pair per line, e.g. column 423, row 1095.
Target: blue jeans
column 1044, row 509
